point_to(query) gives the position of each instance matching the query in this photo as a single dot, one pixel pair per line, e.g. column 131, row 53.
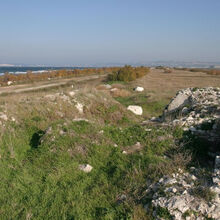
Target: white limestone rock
column 85, row 168
column 79, row 107
column 139, row 89
column 71, row 93
column 180, row 100
column 137, row 110
column 9, row 83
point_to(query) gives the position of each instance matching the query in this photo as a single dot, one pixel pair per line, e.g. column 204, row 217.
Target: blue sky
column 63, row 32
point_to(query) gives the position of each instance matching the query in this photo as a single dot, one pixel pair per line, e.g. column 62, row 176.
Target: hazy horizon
column 97, row 32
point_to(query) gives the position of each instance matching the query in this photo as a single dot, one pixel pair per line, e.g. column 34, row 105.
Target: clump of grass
column 120, row 93
column 203, row 193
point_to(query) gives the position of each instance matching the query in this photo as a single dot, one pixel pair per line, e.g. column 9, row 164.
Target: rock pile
column 194, row 106
column 184, row 195
column 181, row 196
column 197, row 110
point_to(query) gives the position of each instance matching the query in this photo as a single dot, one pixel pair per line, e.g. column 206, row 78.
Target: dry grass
column 164, row 86
column 120, row 93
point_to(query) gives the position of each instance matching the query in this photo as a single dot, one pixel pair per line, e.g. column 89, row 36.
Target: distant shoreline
column 23, row 70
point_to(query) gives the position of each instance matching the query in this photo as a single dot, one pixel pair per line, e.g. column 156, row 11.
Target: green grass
column 150, row 107
column 40, row 176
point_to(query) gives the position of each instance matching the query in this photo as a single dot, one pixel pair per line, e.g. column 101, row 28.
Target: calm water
column 23, row 70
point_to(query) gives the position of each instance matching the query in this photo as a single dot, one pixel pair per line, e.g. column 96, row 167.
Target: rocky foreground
column 192, row 195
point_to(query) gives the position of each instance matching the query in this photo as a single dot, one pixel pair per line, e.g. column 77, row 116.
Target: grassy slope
column 43, row 180
column 39, row 171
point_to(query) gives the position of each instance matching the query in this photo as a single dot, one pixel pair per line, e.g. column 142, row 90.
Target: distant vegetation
column 30, row 77
column 128, row 73
column 203, row 70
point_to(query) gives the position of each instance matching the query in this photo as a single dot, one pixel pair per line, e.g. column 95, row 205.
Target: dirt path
column 45, row 84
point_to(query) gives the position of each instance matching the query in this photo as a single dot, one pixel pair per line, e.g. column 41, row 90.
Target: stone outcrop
column 184, row 195
column 193, row 106
column 196, row 110
column 180, row 195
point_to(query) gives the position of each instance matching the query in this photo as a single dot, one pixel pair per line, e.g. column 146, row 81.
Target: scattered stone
column 3, row 116
column 9, row 83
column 134, row 148
column 107, row 86
column 79, row 107
column 139, row 89
column 104, row 87
column 71, row 93
column 13, row 119
column 85, row 168
column 80, row 119
column 137, row 110
column 216, row 174
column 61, row 132
column 114, row 89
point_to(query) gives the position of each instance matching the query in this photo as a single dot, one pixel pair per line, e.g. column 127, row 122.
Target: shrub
column 128, row 73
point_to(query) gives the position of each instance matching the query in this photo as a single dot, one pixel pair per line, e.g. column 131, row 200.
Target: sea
column 24, row 70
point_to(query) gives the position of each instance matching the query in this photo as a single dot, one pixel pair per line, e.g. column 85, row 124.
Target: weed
column 203, row 193
column 163, row 213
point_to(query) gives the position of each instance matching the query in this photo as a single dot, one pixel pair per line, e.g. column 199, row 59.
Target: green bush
column 128, row 73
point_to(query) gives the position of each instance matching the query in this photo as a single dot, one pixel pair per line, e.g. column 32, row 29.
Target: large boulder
column 180, row 100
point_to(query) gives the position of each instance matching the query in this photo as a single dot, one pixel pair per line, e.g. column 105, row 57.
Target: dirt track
column 44, row 84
